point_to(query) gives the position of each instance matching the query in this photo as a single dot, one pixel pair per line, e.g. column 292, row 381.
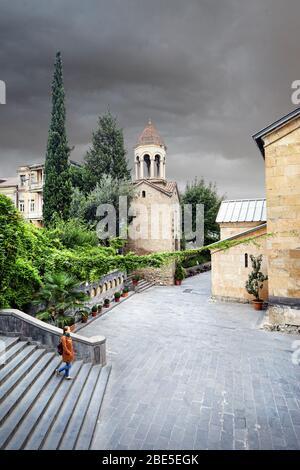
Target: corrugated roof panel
column 250, row 211
column 264, row 211
column 229, row 212
column 236, row 211
column 258, row 210
column 242, row 210
column 222, row 211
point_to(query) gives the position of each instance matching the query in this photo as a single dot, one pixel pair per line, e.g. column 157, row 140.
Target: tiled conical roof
column 150, row 136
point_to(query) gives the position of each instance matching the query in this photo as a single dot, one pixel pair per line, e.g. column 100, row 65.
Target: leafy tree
column 107, row 154
column 256, row 278
column 57, row 188
column 107, row 191
column 201, row 193
column 72, row 233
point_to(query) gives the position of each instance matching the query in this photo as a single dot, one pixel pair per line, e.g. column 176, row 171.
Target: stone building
column 155, row 208
column 238, row 219
column 279, row 144
column 26, row 191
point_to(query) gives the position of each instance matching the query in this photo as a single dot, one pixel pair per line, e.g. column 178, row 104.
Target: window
column 21, row 206
column 246, row 260
column 143, row 193
column 23, row 180
column 32, row 205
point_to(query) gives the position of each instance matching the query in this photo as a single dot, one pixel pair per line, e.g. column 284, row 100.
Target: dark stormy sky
column 209, row 73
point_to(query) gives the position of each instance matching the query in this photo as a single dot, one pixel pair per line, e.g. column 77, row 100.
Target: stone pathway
column 189, row 373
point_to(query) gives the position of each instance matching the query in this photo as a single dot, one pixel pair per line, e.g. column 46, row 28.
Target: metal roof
column 272, row 127
column 242, row 210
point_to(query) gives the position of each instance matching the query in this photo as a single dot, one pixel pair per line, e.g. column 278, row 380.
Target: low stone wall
column 16, row 323
column 104, row 287
column 284, row 315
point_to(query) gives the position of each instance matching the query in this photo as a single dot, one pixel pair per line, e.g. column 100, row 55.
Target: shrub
column 256, row 278
column 94, row 308
column 179, row 272
column 117, row 295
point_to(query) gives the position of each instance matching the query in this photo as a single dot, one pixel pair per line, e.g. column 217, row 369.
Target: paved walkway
column 189, row 373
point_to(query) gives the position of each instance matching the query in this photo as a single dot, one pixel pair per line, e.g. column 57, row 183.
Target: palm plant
column 60, row 293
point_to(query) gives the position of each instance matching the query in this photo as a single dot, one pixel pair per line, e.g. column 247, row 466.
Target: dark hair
column 65, row 328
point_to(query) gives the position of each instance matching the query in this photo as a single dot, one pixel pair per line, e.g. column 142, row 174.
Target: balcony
column 36, row 186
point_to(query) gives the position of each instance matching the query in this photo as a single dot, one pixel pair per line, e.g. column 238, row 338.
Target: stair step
column 44, row 426
column 6, row 343
column 54, row 437
column 29, row 399
column 11, row 353
column 53, row 391
column 18, row 375
column 28, row 382
column 13, row 365
column 90, row 421
column 71, row 433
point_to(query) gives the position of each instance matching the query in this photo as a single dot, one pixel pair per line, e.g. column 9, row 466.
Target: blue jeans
column 66, row 368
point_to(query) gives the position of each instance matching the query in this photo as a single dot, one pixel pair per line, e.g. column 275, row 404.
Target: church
column 155, row 209
column 274, row 225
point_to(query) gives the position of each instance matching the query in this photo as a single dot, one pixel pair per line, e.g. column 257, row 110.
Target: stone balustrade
column 16, row 323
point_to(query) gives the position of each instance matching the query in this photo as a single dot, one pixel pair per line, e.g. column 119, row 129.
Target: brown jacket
column 68, row 351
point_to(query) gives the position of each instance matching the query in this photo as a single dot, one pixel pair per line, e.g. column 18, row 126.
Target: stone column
column 136, row 170
column 152, row 163
column 141, row 167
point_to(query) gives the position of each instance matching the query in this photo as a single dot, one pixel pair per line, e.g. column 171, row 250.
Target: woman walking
column 67, row 353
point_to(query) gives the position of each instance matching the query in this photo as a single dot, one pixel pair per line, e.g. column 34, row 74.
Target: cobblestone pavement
column 190, row 373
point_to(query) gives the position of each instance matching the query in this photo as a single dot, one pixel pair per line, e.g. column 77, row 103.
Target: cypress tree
column 107, row 156
column 57, row 188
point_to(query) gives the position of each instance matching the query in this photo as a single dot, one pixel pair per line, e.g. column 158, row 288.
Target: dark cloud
column 209, row 73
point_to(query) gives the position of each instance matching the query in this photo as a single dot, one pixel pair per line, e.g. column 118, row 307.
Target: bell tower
column 150, row 155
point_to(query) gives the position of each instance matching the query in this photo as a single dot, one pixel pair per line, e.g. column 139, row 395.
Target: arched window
column 143, row 193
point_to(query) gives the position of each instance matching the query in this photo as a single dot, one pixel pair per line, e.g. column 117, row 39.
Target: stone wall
column 105, row 287
column 282, row 162
column 163, row 276
column 16, row 323
column 229, row 273
column 229, row 229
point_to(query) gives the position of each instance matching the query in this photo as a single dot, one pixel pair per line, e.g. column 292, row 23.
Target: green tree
column 199, row 192
column 57, row 189
column 256, row 278
column 107, row 154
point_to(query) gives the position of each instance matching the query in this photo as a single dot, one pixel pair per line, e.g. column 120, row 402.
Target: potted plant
column 94, row 310
column 99, row 308
column 117, row 296
column 106, row 303
column 135, row 279
column 125, row 292
column 84, row 316
column 179, row 274
column 256, row 281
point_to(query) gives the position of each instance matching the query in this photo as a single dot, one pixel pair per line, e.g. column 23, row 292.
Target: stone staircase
column 142, row 285
column 39, row 410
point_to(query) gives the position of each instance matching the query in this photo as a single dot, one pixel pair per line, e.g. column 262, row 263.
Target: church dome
column 150, row 136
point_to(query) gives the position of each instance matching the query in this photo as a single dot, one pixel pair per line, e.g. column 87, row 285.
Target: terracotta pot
column 117, row 299
column 94, row 314
column 257, row 304
column 84, row 319
column 106, row 305
column 134, row 282
column 99, row 310
column 125, row 294
column 178, row 282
